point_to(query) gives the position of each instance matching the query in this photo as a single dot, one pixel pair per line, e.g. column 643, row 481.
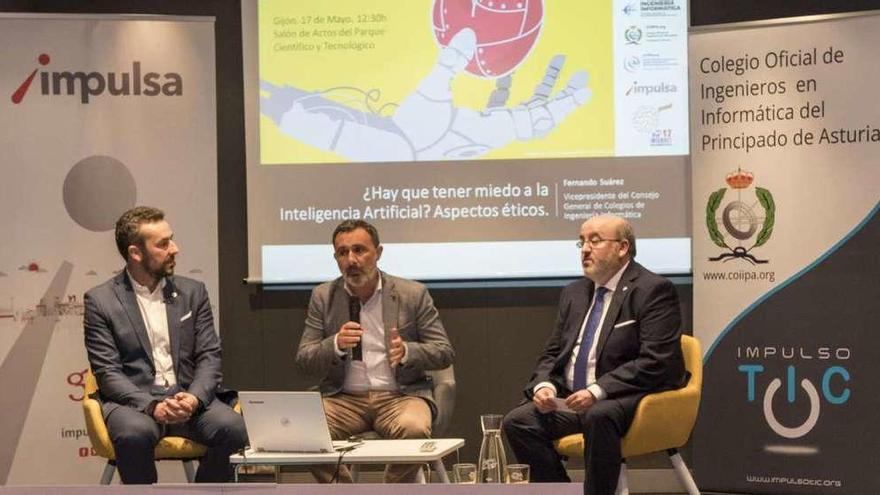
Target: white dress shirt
column 152, row 306
column 374, row 372
column 592, row 386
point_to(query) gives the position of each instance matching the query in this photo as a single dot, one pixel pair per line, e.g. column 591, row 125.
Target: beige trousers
column 390, row 414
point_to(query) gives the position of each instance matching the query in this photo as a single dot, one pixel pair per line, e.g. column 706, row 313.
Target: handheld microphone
column 354, row 314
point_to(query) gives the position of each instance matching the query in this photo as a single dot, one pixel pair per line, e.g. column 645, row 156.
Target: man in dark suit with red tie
column 616, row 339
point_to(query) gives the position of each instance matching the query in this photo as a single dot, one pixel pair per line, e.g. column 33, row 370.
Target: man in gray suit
column 372, row 336
column 154, row 352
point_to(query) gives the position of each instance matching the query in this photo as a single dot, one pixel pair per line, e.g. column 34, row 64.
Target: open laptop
column 285, row 421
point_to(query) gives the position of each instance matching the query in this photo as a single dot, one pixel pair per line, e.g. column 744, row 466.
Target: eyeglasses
column 594, row 242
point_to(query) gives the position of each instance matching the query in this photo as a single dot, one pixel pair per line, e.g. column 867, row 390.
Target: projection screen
column 476, row 135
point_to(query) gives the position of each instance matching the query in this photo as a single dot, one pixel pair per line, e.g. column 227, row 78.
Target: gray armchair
column 444, row 397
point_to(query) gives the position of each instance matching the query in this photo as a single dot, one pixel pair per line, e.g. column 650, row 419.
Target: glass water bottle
column 492, row 466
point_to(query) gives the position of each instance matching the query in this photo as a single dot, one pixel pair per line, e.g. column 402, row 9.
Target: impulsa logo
column 89, row 84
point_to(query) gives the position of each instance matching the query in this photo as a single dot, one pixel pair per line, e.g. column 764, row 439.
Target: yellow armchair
column 177, row 448
column 663, row 421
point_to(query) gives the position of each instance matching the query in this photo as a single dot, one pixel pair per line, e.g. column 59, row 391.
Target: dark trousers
column 135, row 435
column 531, row 435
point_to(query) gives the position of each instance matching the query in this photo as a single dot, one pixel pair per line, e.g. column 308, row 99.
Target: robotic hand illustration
column 426, row 125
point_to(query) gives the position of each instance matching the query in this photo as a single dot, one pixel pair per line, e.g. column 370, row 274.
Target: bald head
column 621, row 227
column 608, row 243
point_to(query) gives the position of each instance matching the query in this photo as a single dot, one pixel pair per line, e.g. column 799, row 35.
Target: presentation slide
column 476, row 135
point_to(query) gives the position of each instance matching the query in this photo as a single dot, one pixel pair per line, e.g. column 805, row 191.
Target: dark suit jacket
column 406, row 305
column 119, row 349
column 639, row 348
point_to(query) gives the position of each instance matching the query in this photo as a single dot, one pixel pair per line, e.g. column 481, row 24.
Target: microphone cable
column 342, row 451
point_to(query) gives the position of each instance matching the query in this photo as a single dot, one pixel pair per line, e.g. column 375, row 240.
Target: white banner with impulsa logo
column 99, row 114
column 785, row 135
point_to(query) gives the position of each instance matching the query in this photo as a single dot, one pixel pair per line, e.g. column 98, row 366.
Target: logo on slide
column 648, row 89
column 741, row 218
column 632, row 63
column 633, row 35
column 89, row 84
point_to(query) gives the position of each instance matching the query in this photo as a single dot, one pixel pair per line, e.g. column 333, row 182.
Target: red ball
column 506, row 30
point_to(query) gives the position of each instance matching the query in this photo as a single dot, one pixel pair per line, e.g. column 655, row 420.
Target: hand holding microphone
column 349, row 335
column 353, row 331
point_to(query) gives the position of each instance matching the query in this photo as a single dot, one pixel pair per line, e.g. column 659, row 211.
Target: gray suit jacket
column 639, row 348
column 119, row 349
column 406, row 305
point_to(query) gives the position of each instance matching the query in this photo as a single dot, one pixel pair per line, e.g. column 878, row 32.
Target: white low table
column 370, row 452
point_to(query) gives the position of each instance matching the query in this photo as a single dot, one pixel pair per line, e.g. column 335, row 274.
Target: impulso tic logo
column 89, row 83
column 823, row 363
column 740, row 218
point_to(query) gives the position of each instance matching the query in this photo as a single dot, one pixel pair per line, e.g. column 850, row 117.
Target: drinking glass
column 465, row 473
column 517, row 473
